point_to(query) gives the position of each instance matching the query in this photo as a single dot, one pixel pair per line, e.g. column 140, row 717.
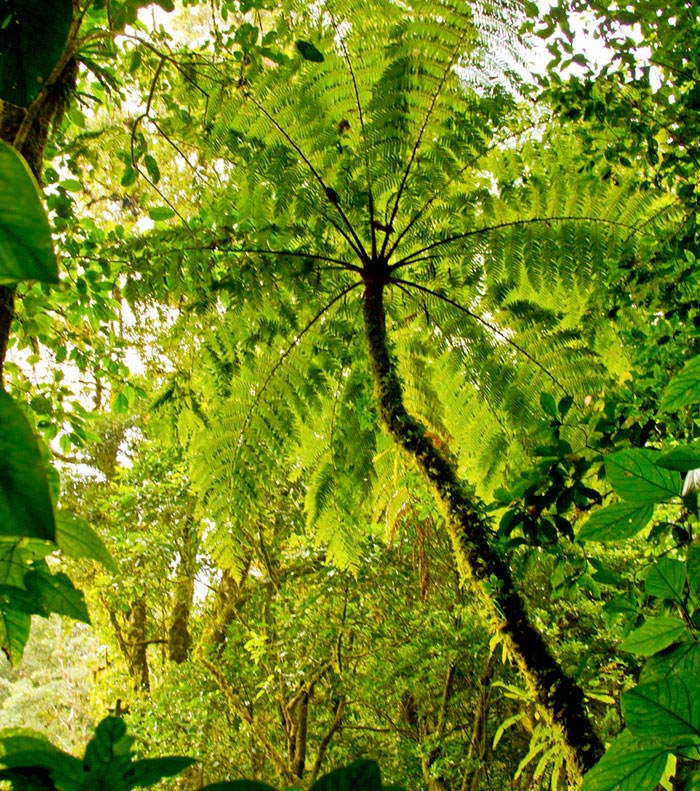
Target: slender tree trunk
column 27, row 129
column 138, row 645
column 179, row 638
column 479, row 564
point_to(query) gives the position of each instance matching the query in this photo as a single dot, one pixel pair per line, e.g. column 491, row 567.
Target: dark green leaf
column 26, row 249
column 654, row 635
column 57, row 593
column 77, row 539
column 14, row 561
column 616, row 522
column 63, row 768
column 634, row 476
column 14, row 632
column 693, row 567
column 309, row 52
column 628, row 765
column 682, row 459
column 161, row 213
column 684, row 656
column 359, row 774
column 666, row 579
column 147, row 771
column 667, row 710
column 152, row 168
column 238, row 785
column 683, row 389
column 108, row 742
column 129, row 176
column 25, row 504
column 549, row 405
column 31, row 44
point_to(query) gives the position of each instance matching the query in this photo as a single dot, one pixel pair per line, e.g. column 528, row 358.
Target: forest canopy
column 349, row 395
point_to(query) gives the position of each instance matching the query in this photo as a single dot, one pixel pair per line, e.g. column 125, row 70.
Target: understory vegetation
column 350, row 366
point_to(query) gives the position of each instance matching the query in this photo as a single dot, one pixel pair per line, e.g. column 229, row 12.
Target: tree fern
column 382, row 201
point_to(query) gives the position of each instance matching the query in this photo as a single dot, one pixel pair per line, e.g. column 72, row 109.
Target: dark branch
column 420, row 213
column 353, row 239
column 419, row 139
column 370, row 200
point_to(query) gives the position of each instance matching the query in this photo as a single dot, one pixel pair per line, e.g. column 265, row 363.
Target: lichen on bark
column 479, row 564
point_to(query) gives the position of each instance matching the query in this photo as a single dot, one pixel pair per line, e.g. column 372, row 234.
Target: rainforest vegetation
column 350, row 366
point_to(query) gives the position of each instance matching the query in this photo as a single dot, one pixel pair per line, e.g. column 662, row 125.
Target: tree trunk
column 138, row 645
column 179, row 638
column 478, row 563
column 27, row 129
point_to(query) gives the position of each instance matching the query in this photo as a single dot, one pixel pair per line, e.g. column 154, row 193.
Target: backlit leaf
column 683, row 389
column 666, row 579
column 26, row 249
column 654, row 635
column 628, row 765
column 635, row 477
column 25, row 503
column 616, row 522
column 683, row 458
column 77, row 539
column 667, row 710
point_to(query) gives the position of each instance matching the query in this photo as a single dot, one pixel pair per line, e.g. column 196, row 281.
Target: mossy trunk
column 137, row 645
column 27, row 128
column 179, row 637
column 479, row 564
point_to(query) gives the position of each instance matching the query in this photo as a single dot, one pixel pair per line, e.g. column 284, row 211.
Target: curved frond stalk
column 489, row 326
column 560, row 698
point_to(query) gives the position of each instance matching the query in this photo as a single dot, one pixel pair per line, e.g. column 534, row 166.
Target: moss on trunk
column 479, row 564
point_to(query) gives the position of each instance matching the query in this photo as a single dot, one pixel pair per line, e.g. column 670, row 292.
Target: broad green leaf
column 65, row 770
column 161, row 213
column 77, row 539
column 682, row 459
column 635, row 477
column 26, row 249
column 654, row 635
column 616, row 522
column 549, row 405
column 152, row 168
column 309, row 52
column 628, row 765
column 31, row 42
column 109, row 740
column 25, row 503
column 238, row 785
column 693, row 567
column 683, row 389
column 71, row 185
column 359, row 774
column 14, row 632
column 667, row 710
column 57, row 593
column 21, row 600
column 666, row 579
column 685, row 656
column 147, row 771
column 14, row 562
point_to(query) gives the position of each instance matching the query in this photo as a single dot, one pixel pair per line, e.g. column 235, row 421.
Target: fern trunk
column 477, row 561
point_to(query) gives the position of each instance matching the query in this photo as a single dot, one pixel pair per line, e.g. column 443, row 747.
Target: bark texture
column 560, row 698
